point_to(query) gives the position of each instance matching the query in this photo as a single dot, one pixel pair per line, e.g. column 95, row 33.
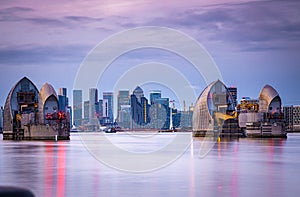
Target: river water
column 233, row 167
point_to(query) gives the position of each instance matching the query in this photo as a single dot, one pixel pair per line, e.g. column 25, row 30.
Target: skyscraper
column 108, row 108
column 93, row 98
column 139, row 93
column 136, row 110
column 77, row 107
column 139, row 107
column 161, row 113
column 124, row 108
column 63, row 100
column 62, row 91
column 101, row 111
column 292, row 118
column 86, row 110
column 154, row 94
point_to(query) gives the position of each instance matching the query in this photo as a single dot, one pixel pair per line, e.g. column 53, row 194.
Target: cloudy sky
column 253, row 43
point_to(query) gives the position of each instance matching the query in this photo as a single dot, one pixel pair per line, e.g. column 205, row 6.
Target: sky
column 253, row 43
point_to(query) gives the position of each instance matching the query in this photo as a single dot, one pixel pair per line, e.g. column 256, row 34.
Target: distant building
column 292, row 118
column 63, row 99
column 86, row 112
column 108, row 108
column 233, row 93
column 93, row 99
column 186, row 119
column 139, row 93
column 139, row 108
column 77, row 107
column 296, row 118
column 123, row 116
column 70, row 112
column 63, row 103
column 176, row 118
column 100, row 111
column 154, row 94
column 62, row 91
column 160, row 113
column 145, row 110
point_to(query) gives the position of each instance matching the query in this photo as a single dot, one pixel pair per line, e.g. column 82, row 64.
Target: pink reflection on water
column 61, row 165
column 55, row 165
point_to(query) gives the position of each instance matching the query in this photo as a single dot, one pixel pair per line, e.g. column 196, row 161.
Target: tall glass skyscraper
column 139, row 93
column 154, row 94
column 93, row 98
column 160, row 113
column 124, row 108
column 86, row 110
column 77, row 107
column 108, row 107
column 63, row 100
column 139, row 107
column 62, row 91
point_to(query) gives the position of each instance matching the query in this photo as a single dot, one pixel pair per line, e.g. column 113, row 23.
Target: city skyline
column 252, row 42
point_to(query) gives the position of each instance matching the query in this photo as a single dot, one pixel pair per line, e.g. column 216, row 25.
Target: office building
column 100, row 105
column 124, row 118
column 62, row 91
column 93, row 99
column 63, row 101
column 292, row 118
column 108, row 108
column 139, row 108
column 123, row 108
column 160, row 111
column 139, row 93
column 77, row 107
column 154, row 94
column 186, row 119
column 86, row 112
column 123, row 99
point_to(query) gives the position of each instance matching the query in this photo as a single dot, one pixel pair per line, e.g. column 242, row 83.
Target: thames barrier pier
column 30, row 114
column 215, row 113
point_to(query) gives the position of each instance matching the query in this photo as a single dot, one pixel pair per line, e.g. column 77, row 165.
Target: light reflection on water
column 237, row 167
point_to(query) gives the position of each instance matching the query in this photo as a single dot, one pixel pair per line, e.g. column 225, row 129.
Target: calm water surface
column 244, row 167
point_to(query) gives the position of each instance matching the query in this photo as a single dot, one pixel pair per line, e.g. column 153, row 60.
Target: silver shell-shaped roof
column 201, row 116
column 214, row 98
column 268, row 93
column 266, row 96
column 45, row 92
column 8, row 116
